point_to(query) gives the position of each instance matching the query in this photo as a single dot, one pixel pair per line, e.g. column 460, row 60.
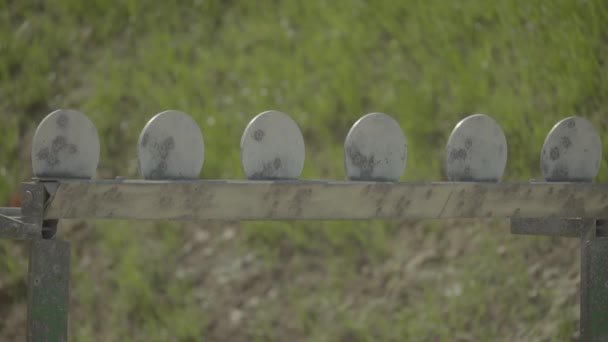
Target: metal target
column 476, row 150
column 65, row 145
column 272, row 147
column 572, row 151
column 375, row 149
column 171, row 146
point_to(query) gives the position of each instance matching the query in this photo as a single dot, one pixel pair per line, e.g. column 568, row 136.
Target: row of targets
column 171, row 147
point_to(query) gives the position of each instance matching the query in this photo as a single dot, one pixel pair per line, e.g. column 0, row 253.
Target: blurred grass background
column 326, row 63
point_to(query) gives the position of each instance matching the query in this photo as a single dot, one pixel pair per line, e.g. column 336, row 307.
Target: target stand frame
column 568, row 204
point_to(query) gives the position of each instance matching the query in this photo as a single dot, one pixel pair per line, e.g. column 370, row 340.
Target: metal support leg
column 48, row 281
column 594, row 285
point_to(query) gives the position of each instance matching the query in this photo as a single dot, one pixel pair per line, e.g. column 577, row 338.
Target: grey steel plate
column 272, row 147
column 476, row 150
column 65, row 145
column 572, row 152
column 171, row 146
column 375, row 149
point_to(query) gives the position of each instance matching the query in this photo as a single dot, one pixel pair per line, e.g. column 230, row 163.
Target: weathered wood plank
column 320, row 200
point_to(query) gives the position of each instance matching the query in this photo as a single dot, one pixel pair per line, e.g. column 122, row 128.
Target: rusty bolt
column 27, row 199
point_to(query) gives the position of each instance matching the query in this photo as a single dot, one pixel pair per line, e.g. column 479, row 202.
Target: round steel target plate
column 171, row 146
column 375, row 149
column 476, row 150
column 65, row 145
column 572, row 152
column 272, row 147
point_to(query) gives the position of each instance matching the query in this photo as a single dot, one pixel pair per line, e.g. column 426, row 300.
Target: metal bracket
column 27, row 222
column 594, row 266
column 33, row 198
column 24, row 223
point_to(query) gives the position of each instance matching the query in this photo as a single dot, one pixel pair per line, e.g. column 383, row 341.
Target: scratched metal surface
column 15, row 228
column 572, row 151
column 10, row 211
column 171, row 146
column 272, row 147
column 375, row 149
column 321, row 200
column 65, row 145
column 476, row 150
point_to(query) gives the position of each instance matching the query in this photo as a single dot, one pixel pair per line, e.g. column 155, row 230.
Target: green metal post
column 48, row 282
column 594, row 284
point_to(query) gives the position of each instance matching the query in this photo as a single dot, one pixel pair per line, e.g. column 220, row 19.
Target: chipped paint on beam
column 549, row 226
column 322, row 200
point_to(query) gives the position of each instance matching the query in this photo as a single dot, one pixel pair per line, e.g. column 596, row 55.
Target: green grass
column 326, row 63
